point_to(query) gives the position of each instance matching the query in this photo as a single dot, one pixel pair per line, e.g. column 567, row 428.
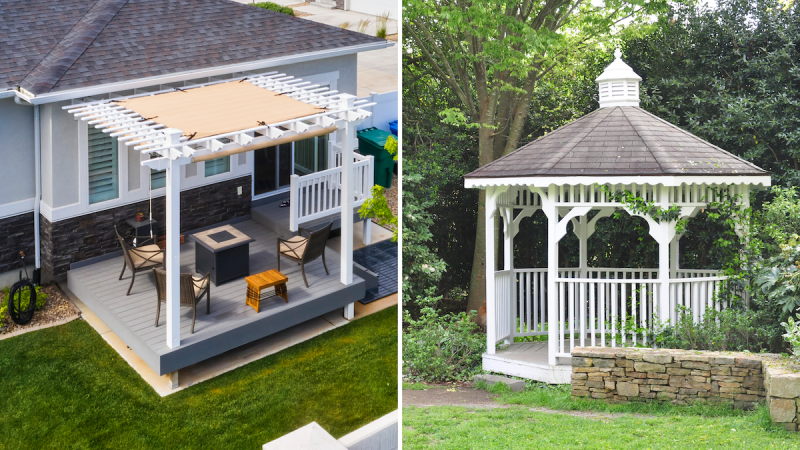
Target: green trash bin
column 371, row 142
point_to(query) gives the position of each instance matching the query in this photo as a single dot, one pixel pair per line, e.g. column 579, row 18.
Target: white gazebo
column 193, row 123
column 624, row 148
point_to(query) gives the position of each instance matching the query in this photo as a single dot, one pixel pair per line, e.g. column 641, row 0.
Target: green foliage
column 778, row 276
column 441, row 347
column 792, row 335
column 728, row 74
column 638, row 205
column 733, row 329
column 376, row 205
column 422, row 269
column 275, row 7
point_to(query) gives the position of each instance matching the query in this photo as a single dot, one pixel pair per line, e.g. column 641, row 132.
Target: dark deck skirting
column 231, row 323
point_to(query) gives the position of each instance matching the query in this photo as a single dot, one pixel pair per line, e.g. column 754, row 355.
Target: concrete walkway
column 378, row 70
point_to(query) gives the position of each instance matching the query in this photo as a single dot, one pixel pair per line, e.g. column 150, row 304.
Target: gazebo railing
column 604, row 307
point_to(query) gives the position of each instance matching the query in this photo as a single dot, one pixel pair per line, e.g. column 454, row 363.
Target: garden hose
column 21, row 312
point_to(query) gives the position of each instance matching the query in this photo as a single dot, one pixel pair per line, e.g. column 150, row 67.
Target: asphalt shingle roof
column 623, row 140
column 48, row 46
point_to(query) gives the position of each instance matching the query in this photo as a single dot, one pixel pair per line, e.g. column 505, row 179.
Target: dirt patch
column 453, row 396
column 467, row 396
column 298, row 4
column 302, row 14
column 392, row 37
column 57, row 309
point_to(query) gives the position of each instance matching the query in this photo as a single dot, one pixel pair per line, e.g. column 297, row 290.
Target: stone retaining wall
column 675, row 376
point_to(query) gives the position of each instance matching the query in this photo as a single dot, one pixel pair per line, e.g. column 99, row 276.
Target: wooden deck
column 231, row 323
column 528, row 360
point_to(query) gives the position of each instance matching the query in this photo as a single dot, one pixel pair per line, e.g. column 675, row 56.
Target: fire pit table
column 224, row 252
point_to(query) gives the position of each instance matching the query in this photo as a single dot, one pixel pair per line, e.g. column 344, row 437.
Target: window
column 103, row 167
column 218, row 166
column 158, row 178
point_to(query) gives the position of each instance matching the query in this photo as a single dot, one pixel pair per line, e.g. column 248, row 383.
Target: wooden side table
column 256, row 283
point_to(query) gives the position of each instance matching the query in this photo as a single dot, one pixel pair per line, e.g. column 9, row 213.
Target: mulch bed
column 57, row 308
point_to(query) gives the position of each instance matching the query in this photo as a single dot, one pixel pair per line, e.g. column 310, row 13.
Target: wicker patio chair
column 303, row 250
column 139, row 259
column 192, row 291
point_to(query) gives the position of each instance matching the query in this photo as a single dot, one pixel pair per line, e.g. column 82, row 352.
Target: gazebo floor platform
column 528, row 360
column 231, row 322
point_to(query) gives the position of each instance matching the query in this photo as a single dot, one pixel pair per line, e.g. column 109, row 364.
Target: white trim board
column 669, row 180
column 16, row 208
column 202, row 73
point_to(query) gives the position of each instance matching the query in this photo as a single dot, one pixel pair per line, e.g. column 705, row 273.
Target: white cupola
column 618, row 84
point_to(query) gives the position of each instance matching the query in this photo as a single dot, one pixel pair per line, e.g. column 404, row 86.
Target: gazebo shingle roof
column 617, row 141
column 48, row 46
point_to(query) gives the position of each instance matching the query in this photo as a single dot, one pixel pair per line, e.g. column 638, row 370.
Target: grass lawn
column 450, row 427
column 64, row 387
column 639, row 426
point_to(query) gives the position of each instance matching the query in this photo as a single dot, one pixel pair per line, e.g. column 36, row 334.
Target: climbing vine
column 638, row 205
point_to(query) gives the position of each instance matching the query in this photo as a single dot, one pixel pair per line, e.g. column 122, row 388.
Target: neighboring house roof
column 49, row 46
column 617, row 141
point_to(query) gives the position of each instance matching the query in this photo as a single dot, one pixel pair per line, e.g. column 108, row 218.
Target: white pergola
column 170, row 149
column 623, row 148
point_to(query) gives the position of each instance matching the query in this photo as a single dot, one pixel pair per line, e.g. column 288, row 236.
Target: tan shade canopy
column 219, row 108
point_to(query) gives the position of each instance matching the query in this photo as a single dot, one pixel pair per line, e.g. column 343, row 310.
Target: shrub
column 732, row 329
column 792, row 335
column 441, row 348
column 41, row 299
column 275, row 7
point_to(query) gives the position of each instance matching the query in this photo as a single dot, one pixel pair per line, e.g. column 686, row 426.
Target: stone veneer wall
column 79, row 238
column 675, row 376
column 16, row 234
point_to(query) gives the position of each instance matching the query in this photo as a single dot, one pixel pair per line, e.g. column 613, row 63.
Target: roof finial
column 617, row 53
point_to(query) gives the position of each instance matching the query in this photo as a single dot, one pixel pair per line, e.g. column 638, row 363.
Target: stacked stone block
column 782, row 383
column 675, row 376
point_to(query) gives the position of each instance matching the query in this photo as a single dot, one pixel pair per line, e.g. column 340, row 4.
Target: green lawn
column 517, row 427
column 640, row 426
column 64, row 387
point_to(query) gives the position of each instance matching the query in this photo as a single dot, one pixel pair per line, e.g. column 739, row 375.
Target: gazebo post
column 173, row 256
column 550, row 209
column 490, row 269
column 508, row 264
column 666, row 234
column 581, row 227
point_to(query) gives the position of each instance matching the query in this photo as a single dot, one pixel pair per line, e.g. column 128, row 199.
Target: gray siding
column 61, row 168
column 16, row 151
column 346, row 65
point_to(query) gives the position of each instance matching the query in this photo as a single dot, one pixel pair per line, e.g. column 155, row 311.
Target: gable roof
column 622, row 140
column 49, row 46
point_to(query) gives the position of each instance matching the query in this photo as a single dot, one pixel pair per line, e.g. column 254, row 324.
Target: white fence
column 319, row 194
column 599, row 306
column 385, row 110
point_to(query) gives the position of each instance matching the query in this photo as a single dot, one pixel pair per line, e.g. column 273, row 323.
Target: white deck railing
column 318, row 195
column 598, row 306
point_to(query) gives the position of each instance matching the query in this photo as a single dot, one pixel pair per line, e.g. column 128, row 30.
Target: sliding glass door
column 273, row 166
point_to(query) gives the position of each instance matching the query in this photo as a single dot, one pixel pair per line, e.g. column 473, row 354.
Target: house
column 537, row 315
column 266, row 99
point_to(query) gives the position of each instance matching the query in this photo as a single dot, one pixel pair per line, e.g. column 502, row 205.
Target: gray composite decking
column 272, row 216
column 231, row 323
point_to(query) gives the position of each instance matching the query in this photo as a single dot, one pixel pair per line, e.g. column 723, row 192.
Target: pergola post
column 549, row 208
column 491, row 332
column 173, row 256
column 348, row 193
